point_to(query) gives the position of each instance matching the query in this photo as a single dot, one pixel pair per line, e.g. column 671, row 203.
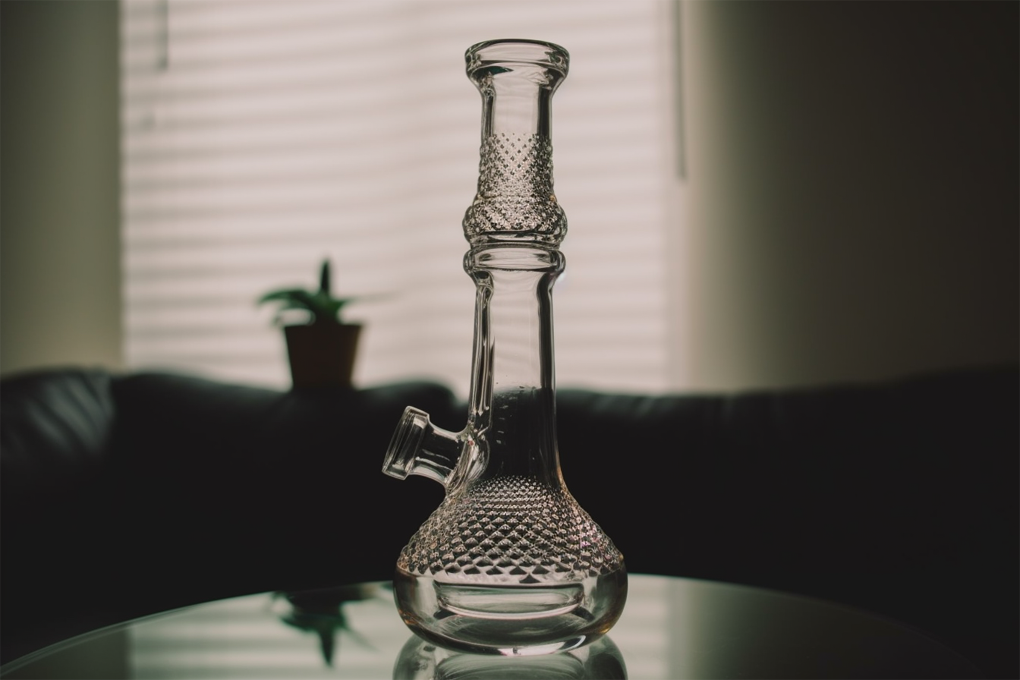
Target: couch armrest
column 55, row 431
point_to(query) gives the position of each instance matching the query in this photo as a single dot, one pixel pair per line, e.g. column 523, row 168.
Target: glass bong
column 509, row 563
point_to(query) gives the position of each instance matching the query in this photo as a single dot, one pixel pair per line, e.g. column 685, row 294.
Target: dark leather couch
column 128, row 494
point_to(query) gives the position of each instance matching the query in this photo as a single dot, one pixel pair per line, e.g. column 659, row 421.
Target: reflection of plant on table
column 321, row 348
column 321, row 612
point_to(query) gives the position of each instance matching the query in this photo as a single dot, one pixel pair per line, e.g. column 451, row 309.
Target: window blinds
column 261, row 137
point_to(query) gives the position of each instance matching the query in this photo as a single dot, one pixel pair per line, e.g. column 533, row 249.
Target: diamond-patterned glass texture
column 510, row 530
column 515, row 200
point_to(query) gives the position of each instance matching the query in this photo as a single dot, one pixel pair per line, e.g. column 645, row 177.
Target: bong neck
column 514, row 226
column 512, row 417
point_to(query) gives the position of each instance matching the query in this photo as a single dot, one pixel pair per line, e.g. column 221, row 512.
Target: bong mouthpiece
column 515, row 202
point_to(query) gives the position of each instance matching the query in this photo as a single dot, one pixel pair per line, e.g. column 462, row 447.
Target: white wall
column 59, row 210
column 852, row 196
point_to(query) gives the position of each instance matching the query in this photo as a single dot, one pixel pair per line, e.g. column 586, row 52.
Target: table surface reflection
column 672, row 628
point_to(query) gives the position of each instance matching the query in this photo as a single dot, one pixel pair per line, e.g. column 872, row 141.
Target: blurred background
column 760, row 194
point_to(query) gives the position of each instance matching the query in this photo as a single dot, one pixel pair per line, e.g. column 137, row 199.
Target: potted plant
column 322, row 349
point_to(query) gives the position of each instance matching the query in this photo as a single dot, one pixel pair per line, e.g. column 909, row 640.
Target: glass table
column 672, row 628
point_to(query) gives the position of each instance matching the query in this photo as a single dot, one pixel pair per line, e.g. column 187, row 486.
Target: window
column 261, row 137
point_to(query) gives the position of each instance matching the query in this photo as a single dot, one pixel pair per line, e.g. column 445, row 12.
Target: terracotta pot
column 322, row 355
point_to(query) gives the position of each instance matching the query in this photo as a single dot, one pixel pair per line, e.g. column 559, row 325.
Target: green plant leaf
column 325, row 285
column 320, row 304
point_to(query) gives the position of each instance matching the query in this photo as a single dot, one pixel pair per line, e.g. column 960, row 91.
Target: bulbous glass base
column 511, row 620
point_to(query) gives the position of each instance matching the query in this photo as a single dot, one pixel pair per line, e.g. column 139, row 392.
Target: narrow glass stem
column 512, row 423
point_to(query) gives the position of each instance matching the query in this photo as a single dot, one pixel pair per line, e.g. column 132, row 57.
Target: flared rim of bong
column 517, row 51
